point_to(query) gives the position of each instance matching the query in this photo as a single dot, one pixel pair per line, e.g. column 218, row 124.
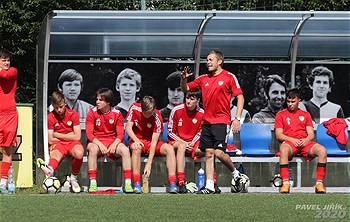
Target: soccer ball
column 191, row 187
column 276, row 181
column 246, row 182
column 51, row 185
column 237, row 186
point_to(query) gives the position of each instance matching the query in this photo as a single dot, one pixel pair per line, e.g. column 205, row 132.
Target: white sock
column 92, row 181
column 235, row 173
column 3, row 182
column 127, row 180
column 73, row 177
column 210, row 185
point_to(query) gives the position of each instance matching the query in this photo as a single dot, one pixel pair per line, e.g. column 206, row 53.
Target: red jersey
column 8, row 86
column 216, row 93
column 184, row 124
column 104, row 125
column 293, row 124
column 144, row 127
column 63, row 125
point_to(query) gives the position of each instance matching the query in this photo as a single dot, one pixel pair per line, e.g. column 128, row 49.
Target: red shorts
column 304, row 151
column 147, row 146
column 65, row 147
column 193, row 152
column 107, row 142
column 8, row 126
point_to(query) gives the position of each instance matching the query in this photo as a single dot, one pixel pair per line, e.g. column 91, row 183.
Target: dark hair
column 274, row 78
column 293, row 93
column 106, row 94
column 148, row 103
column 195, row 94
column 70, row 75
column 173, row 80
column 320, row 71
column 5, row 54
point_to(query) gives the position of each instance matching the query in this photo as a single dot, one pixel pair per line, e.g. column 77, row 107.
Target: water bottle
column 200, row 183
column 145, row 184
column 11, row 181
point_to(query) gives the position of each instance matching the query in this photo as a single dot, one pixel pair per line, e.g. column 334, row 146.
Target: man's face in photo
column 175, row 96
column 321, row 86
column 127, row 89
column 71, row 90
column 277, row 96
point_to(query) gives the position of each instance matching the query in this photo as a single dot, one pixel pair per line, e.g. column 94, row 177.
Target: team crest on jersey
column 220, row 83
column 149, row 125
column 69, row 123
column 194, row 121
column 111, row 121
column 98, row 122
column 301, row 118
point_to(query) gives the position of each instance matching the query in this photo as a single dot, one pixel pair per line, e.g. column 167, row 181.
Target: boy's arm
column 152, row 151
column 52, row 139
column 75, row 135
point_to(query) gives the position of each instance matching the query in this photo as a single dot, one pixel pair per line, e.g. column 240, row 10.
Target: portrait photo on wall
column 264, row 86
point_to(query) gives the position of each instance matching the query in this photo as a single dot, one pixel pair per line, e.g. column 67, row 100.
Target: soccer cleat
column 217, row 189
column 285, row 187
column 319, row 188
column 46, row 169
column 128, row 188
column 75, row 187
column 173, row 188
column 3, row 189
column 93, row 187
column 182, row 188
column 205, row 191
column 137, row 188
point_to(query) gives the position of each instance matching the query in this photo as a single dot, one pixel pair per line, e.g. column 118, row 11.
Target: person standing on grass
column 217, row 89
column 64, row 135
column 105, row 133
column 294, row 127
column 8, row 115
column 144, row 125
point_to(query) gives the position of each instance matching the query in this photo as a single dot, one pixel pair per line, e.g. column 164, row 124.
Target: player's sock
column 235, row 174
column 181, row 177
column 172, row 179
column 5, row 166
column 214, row 176
column 92, row 174
column 284, row 171
column 73, row 177
column 137, row 178
column 210, row 185
column 127, row 174
column 320, row 171
column 53, row 163
column 76, row 165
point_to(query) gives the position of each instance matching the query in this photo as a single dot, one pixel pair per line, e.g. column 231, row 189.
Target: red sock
column 284, row 171
column 92, row 174
column 127, row 174
column 172, row 179
column 5, row 166
column 76, row 165
column 181, row 177
column 137, row 178
column 214, row 176
column 320, row 172
column 53, row 163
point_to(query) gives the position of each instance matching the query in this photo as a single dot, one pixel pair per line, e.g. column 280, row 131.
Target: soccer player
column 294, row 127
column 8, row 115
column 144, row 125
column 105, row 133
column 64, row 134
column 321, row 81
column 217, row 89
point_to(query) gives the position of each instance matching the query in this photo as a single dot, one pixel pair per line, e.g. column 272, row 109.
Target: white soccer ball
column 276, row 181
column 51, row 185
column 246, row 182
column 237, row 186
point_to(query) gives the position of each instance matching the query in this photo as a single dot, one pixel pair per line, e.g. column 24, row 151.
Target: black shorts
column 214, row 136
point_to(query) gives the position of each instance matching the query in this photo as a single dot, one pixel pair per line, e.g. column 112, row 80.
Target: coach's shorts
column 65, row 147
column 8, row 129
column 214, row 136
column 304, row 151
column 147, row 146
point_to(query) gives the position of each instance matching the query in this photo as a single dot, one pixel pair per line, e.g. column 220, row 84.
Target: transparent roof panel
column 177, row 33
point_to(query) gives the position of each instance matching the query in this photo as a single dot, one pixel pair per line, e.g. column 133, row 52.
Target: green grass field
column 166, row 207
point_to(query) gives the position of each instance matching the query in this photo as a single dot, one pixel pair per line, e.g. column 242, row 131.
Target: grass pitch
column 167, row 207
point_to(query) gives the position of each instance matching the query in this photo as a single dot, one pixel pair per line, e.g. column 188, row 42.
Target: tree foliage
column 20, row 21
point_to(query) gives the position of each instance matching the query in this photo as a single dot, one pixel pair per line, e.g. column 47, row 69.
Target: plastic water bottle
column 145, row 184
column 200, row 183
column 11, row 181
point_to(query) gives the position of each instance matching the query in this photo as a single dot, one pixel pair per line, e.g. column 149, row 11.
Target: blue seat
column 333, row 147
column 165, row 132
column 256, row 139
column 126, row 138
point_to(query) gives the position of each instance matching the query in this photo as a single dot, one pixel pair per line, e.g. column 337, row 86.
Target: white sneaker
column 3, row 189
column 46, row 169
column 75, row 186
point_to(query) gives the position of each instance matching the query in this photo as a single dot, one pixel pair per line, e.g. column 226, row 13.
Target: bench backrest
column 256, row 139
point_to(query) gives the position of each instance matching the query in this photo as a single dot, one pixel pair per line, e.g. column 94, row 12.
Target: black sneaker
column 182, row 188
column 205, row 191
column 217, row 189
